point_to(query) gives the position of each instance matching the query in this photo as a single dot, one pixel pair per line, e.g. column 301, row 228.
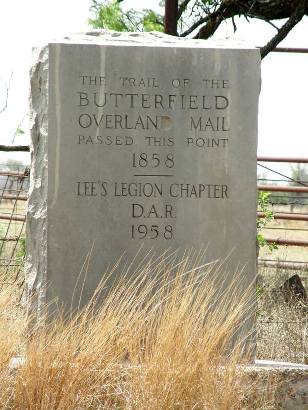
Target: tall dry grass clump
column 12, row 338
column 166, row 337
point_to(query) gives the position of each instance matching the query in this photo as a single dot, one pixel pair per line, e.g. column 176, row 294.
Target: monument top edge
column 150, row 39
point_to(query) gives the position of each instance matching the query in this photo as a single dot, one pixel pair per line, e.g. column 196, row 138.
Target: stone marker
column 148, row 140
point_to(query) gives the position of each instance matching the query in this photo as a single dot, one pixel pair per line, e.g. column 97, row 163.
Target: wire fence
column 290, row 226
column 272, row 272
column 13, row 195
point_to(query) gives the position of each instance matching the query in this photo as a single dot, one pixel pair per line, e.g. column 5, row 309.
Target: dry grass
column 11, row 252
column 153, row 344
column 12, row 325
column 282, row 327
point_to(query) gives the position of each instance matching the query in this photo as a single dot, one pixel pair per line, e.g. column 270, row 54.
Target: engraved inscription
column 113, row 119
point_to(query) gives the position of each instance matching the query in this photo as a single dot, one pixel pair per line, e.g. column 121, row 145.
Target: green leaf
column 19, row 131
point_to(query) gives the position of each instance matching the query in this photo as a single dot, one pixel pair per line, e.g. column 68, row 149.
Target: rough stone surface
column 83, row 208
column 36, row 228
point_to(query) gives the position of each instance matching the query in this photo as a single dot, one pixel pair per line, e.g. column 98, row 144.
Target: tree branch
column 11, row 148
column 285, row 29
column 194, row 26
column 228, row 8
column 269, row 22
column 213, row 22
column 182, row 8
column 264, row 10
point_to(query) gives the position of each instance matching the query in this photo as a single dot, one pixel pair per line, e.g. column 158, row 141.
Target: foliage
column 19, row 131
column 299, row 172
column 14, row 165
column 21, row 249
column 2, row 230
column 110, row 15
column 263, row 202
column 201, row 18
